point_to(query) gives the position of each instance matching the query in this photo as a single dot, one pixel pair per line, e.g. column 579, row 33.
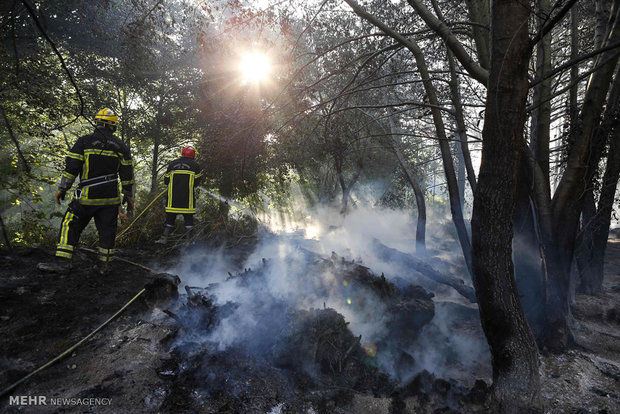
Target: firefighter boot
column 164, row 237
column 58, row 266
column 103, row 268
column 189, row 234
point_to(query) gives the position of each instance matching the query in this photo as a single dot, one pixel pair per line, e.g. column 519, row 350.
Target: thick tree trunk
column 515, row 356
column 529, row 270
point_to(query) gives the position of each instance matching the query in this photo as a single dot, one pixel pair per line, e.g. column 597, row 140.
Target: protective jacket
column 182, row 176
column 99, row 158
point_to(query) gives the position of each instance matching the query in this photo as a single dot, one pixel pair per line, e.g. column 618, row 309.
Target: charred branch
column 395, row 256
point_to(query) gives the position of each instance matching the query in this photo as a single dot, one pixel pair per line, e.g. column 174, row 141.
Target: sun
column 254, row 67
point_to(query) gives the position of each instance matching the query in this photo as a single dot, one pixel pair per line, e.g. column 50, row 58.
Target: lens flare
column 254, row 67
column 348, row 301
column 370, row 348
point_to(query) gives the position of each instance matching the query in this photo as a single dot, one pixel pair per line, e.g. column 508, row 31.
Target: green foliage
column 169, row 71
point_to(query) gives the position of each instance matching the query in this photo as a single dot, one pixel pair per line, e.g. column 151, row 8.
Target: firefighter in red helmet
column 182, row 177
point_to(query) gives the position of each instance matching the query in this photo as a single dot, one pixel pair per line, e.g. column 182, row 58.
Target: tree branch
column 473, row 68
column 37, row 22
column 394, row 105
column 574, row 82
column 551, row 23
column 572, row 62
column 10, row 130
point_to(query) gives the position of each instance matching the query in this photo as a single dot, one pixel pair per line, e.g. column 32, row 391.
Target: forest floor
column 132, row 362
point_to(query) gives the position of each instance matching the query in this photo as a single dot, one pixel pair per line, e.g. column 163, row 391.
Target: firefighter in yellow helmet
column 182, row 176
column 99, row 159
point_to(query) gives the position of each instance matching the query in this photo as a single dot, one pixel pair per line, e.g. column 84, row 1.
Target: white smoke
column 262, row 304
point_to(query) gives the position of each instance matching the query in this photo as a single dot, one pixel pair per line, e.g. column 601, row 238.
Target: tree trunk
column 516, row 380
column 602, row 9
column 593, row 239
column 479, row 15
column 460, row 173
column 592, row 282
column 528, row 266
column 5, row 236
column 446, row 156
column 567, row 202
column 155, row 161
column 460, row 121
column 574, row 70
column 420, row 233
column 346, row 188
column 541, row 116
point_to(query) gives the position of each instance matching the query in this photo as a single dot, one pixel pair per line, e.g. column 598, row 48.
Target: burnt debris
column 297, row 357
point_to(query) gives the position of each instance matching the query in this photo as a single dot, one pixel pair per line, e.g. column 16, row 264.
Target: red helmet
column 189, row 152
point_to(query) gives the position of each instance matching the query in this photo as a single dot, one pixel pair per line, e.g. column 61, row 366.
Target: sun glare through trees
column 254, row 67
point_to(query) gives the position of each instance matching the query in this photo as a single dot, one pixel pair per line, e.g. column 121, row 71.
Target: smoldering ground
column 260, row 297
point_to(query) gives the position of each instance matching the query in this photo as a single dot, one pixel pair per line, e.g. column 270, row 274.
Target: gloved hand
column 123, row 217
column 60, row 195
column 131, row 203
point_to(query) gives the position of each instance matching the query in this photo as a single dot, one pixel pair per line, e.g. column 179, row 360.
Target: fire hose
column 210, row 193
column 71, row 349
column 140, row 215
column 103, row 325
column 100, row 327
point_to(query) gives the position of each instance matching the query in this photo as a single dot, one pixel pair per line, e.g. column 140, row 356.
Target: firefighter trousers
column 77, row 218
column 188, row 220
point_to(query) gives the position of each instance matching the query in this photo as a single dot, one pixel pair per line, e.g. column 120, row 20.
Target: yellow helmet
column 106, row 117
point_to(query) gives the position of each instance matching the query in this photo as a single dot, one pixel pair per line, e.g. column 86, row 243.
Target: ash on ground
column 298, row 332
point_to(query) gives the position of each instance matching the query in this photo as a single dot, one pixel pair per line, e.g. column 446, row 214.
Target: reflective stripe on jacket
column 99, row 154
column 182, row 176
